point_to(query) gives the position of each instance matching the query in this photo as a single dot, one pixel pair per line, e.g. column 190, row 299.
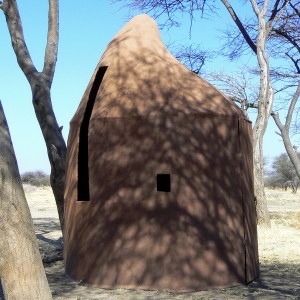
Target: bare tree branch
column 295, row 62
column 297, row 11
column 192, row 56
column 15, row 28
column 255, row 7
column 52, row 42
column 265, row 7
column 169, row 8
column 284, row 34
column 238, row 87
column 240, row 25
column 284, row 133
column 292, row 107
column 285, row 128
column 275, row 10
column 276, row 118
column 278, row 16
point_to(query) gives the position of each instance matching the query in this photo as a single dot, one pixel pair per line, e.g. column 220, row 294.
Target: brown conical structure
column 159, row 183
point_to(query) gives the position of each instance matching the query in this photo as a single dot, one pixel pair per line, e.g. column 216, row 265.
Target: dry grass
column 279, row 251
column 296, row 220
column 281, row 242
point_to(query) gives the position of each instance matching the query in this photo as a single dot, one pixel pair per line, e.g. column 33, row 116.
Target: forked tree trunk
column 40, row 83
column 21, row 269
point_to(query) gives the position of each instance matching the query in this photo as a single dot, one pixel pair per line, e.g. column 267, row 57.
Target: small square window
column 163, row 182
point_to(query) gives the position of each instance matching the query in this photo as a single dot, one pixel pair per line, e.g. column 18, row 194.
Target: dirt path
column 279, row 249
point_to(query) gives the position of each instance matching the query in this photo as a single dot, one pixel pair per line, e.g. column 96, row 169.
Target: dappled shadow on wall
column 166, row 200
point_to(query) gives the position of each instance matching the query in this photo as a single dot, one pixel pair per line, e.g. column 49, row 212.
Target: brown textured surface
column 152, row 115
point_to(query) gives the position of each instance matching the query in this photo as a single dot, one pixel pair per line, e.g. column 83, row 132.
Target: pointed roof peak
column 140, row 26
column 144, row 79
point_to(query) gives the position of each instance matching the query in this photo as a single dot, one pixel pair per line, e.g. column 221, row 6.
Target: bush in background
column 36, row 178
column 282, row 173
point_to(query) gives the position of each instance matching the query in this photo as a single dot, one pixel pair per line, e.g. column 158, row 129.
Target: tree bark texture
column 21, row 269
column 265, row 104
column 285, row 131
column 56, row 147
column 40, row 83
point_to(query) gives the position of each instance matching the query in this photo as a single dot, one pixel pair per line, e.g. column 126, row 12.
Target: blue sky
column 85, row 30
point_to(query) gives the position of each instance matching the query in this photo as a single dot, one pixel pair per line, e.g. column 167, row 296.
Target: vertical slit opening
column 83, row 153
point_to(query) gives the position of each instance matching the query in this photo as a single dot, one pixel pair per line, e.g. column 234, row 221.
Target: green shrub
column 36, row 178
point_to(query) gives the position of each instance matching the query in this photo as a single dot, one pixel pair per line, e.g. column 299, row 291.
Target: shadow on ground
column 277, row 281
column 50, row 240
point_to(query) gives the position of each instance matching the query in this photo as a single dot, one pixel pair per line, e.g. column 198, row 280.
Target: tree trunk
column 40, row 83
column 285, row 131
column 56, row 147
column 21, row 269
column 265, row 101
column 263, row 217
column 265, row 104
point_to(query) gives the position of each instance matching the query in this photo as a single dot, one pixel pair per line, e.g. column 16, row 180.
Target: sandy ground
column 279, row 251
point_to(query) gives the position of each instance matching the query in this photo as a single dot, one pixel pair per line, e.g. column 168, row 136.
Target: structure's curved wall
column 200, row 234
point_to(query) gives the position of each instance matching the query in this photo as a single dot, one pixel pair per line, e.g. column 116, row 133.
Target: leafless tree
column 286, row 35
column 256, row 37
column 283, row 43
column 21, row 269
column 192, row 56
column 285, row 130
column 239, row 87
column 40, row 83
